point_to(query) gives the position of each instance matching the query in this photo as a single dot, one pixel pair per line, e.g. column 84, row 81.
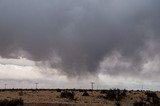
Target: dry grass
column 53, row 97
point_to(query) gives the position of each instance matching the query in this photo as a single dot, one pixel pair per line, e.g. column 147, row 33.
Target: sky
column 71, row 43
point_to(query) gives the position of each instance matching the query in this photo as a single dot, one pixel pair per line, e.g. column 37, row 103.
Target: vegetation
column 139, row 103
column 58, row 90
column 152, row 98
column 67, row 94
column 115, row 94
column 85, row 93
column 116, row 97
column 16, row 102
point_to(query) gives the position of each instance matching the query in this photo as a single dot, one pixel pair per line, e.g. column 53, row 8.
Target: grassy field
column 80, row 97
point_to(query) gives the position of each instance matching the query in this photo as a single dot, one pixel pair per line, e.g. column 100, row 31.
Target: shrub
column 117, row 103
column 85, row 93
column 16, row 102
column 103, row 91
column 115, row 94
column 21, row 93
column 81, row 90
column 67, row 94
column 140, row 103
column 58, row 90
column 130, row 91
column 153, row 98
column 123, row 94
column 111, row 95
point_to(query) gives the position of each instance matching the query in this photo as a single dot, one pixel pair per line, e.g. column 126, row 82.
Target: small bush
column 21, row 93
column 153, row 98
column 58, row 90
column 67, row 94
column 16, row 102
column 111, row 95
column 117, row 103
column 130, row 91
column 103, row 91
column 140, row 103
column 123, row 94
column 85, row 93
column 115, row 94
column 81, row 90
column 151, row 94
column 33, row 90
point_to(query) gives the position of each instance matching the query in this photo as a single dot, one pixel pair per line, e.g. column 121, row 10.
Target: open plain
column 81, row 97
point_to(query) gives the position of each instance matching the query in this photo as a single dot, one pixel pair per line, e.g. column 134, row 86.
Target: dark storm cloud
column 80, row 33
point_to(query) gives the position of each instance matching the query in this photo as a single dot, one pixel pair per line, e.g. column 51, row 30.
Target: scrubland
column 79, row 97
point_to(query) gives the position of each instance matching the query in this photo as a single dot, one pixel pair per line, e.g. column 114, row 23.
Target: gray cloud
column 79, row 33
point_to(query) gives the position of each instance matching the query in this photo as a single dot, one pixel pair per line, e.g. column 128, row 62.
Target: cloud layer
column 83, row 37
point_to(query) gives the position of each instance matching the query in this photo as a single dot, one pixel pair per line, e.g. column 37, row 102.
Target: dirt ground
column 53, row 98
